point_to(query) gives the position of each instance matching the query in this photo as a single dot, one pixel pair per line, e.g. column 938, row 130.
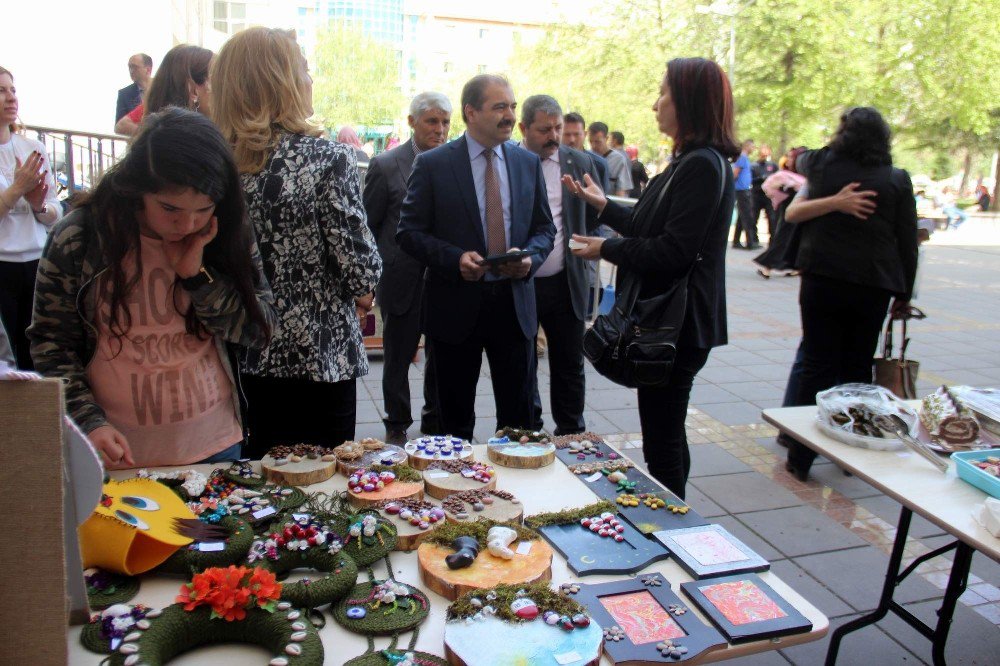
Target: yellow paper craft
column 134, row 528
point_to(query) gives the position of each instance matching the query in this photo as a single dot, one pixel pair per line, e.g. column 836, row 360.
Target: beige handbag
column 899, row 375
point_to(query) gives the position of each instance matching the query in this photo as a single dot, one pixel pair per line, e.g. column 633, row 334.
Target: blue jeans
column 234, row 452
column 956, row 216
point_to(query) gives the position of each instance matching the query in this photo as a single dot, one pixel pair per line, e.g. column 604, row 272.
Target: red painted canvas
column 641, row 617
column 742, row 602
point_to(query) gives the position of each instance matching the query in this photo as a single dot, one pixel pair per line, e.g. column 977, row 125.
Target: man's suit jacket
column 385, row 188
column 601, row 165
column 440, row 220
column 577, row 218
column 129, row 97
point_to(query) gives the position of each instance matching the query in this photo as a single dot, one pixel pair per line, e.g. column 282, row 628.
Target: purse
column 899, row 375
column 636, row 342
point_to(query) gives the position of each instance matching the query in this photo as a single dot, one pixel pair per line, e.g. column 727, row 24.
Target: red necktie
column 496, row 237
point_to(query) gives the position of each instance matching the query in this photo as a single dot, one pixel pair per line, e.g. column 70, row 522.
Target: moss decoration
column 567, row 516
column 545, row 597
column 448, row 532
column 515, row 435
column 402, row 471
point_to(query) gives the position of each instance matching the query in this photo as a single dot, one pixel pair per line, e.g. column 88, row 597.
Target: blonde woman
column 304, row 200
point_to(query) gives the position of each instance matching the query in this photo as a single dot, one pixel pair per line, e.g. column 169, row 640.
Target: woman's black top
column 663, row 237
column 880, row 251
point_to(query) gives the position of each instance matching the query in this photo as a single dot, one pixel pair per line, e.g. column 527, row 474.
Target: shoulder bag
column 899, row 375
column 635, row 343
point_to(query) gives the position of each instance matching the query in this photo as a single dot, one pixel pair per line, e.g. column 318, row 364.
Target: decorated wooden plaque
column 425, row 450
column 367, row 452
column 301, row 472
column 587, row 446
column 414, row 520
column 497, row 505
column 644, row 622
column 522, row 449
column 443, row 478
column 372, row 486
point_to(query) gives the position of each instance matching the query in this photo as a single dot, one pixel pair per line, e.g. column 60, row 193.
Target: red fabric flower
column 230, row 591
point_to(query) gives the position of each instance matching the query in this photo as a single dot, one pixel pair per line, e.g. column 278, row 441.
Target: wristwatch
column 202, row 277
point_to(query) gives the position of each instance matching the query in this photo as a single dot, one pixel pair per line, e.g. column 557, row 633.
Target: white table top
column 944, row 499
column 550, row 488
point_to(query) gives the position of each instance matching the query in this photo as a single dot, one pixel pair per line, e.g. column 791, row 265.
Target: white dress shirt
column 552, row 173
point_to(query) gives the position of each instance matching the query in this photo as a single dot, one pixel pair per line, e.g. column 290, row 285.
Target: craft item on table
column 650, row 512
column 242, row 472
column 710, row 550
column 187, row 483
column 948, row 419
column 523, row 449
column 299, row 464
column 367, row 452
column 414, row 520
column 604, row 467
column 285, row 497
column 370, row 486
column 425, row 450
column 230, row 605
column 305, row 542
column 256, row 507
column 137, row 525
column 108, row 629
column 367, row 536
column 517, row 560
column 447, row 477
column 396, row 657
column 573, row 449
column 209, row 509
column 466, row 550
column 106, row 589
column 498, row 505
column 582, row 535
column 523, row 624
column 216, row 552
column 745, row 608
column 611, row 479
column 381, row 608
column 646, row 623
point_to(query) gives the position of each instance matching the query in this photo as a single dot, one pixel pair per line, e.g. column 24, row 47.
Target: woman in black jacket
column 852, row 265
column 664, row 236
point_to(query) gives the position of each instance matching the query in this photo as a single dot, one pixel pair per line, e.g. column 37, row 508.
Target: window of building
column 229, row 17
column 480, row 69
column 483, row 32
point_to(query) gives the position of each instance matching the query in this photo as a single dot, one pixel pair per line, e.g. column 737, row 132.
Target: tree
column 355, row 79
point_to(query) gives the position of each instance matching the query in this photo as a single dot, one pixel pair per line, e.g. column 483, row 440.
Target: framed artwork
column 643, row 620
column 588, row 553
column 745, row 608
column 710, row 550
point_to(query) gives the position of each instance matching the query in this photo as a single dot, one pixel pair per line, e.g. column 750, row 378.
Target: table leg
column 956, row 586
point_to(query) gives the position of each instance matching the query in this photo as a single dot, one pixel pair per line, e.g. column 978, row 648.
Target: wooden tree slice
column 398, row 490
column 426, row 450
column 498, row 505
column 303, row 473
column 521, row 456
column 389, row 454
column 409, row 536
column 439, row 483
column 486, row 572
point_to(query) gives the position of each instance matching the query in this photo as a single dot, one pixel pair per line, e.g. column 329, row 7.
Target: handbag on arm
column 635, row 343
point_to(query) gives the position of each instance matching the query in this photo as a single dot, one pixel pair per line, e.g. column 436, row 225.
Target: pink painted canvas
column 710, row 548
column 641, row 617
column 742, row 602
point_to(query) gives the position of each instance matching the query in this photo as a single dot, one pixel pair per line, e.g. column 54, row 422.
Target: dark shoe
column 798, row 474
column 766, row 276
column 753, row 246
column 738, row 246
column 397, row 437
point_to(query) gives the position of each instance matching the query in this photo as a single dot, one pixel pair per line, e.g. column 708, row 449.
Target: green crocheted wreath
column 113, row 624
column 396, row 656
column 242, row 473
column 381, row 608
column 107, row 589
column 175, row 631
column 367, row 536
column 186, row 561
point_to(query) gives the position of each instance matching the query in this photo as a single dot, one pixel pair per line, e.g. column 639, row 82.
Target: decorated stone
column 586, row 446
column 389, row 607
column 524, row 449
column 425, row 450
column 491, row 628
column 414, row 520
column 299, row 464
column 519, row 559
column 447, row 477
column 497, row 505
column 373, row 486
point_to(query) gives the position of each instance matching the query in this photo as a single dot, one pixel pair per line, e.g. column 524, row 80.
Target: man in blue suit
column 477, row 197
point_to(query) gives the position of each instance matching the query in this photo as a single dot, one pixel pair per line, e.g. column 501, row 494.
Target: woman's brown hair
column 182, row 66
column 703, row 101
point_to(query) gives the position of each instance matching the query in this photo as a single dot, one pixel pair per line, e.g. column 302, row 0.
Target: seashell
column 128, row 648
column 278, row 661
column 283, row 605
column 131, row 660
column 143, row 624
column 156, row 612
column 134, row 636
column 295, row 459
column 294, row 615
column 286, row 491
column 298, row 626
column 251, row 493
column 293, row 649
column 298, row 636
column 243, row 510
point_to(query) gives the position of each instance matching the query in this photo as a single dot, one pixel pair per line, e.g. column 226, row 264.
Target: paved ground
column 829, row 538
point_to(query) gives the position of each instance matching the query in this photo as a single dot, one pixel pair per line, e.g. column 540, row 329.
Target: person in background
column 639, row 175
column 780, row 187
column 619, row 173
column 349, row 137
column 304, row 201
column 760, row 170
column 398, row 291
column 28, row 209
column 142, row 290
column 182, row 81
column 745, row 224
column 949, row 206
column 140, row 70
column 983, row 199
column 853, row 262
column 666, row 237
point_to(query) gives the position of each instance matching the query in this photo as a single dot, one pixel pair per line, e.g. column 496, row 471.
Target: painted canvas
column 742, row 602
column 641, row 617
column 710, row 548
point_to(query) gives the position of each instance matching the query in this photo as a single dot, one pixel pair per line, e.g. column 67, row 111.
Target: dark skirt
column 781, row 251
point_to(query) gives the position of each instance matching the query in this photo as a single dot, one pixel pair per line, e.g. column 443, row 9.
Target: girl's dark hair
column 182, row 65
column 864, row 137
column 703, row 101
column 174, row 149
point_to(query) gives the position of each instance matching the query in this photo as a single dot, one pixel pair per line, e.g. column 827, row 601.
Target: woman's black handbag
column 635, row 344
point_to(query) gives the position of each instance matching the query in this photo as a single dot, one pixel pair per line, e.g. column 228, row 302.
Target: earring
column 196, row 104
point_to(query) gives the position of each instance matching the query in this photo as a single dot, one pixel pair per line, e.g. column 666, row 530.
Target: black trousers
column 745, row 224
column 841, row 323
column 511, row 358
column 297, row 411
column 17, row 296
column 564, row 331
column 761, row 202
column 662, row 412
column 400, row 339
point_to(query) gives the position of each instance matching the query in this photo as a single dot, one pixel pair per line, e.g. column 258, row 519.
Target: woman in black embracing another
column 678, row 225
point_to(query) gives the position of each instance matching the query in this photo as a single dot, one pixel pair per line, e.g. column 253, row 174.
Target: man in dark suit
column 398, row 294
column 479, row 196
column 140, row 70
column 561, row 283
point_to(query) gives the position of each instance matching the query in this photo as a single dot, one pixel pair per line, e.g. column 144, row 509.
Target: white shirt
column 552, row 174
column 22, row 235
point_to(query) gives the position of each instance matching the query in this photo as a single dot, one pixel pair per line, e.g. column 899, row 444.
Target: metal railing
column 79, row 159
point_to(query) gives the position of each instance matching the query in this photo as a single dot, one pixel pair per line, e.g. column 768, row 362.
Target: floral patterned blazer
column 306, row 208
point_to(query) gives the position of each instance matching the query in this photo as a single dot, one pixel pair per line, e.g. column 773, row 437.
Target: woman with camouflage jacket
column 139, row 293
